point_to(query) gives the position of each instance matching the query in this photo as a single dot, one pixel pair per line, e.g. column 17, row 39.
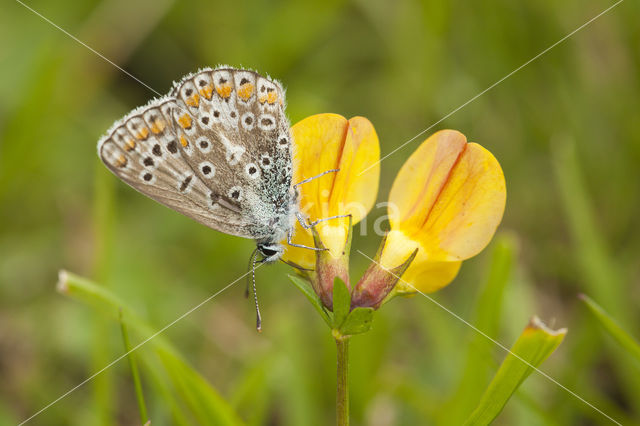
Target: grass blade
column 134, row 373
column 479, row 364
column 202, row 399
column 611, row 326
column 534, row 345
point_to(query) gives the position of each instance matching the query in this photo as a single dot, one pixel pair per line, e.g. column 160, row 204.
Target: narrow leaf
column 208, row 406
column 133, row 366
column 306, row 289
column 611, row 326
column 357, row 322
column 478, row 365
column 533, row 346
column 341, row 302
column 204, row 401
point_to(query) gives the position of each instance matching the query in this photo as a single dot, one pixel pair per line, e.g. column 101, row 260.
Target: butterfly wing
column 235, row 120
column 191, row 152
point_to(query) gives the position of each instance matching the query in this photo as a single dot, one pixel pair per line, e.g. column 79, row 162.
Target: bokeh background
column 566, row 129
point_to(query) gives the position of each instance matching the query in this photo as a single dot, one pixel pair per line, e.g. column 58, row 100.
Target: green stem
column 342, row 393
column 103, row 207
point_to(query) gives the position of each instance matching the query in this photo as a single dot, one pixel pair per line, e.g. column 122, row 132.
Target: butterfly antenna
column 251, row 262
column 255, row 294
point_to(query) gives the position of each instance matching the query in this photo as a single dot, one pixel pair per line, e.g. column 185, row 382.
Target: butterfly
column 217, row 149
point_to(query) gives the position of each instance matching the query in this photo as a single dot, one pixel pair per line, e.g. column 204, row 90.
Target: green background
column 565, row 128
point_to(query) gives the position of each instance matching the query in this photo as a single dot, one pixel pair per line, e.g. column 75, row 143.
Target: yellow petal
column 427, row 277
column 449, row 197
column 329, row 141
column 422, row 275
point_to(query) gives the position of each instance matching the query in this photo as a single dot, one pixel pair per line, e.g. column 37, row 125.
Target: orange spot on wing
column 129, row 145
column 143, row 133
column 122, row 161
column 224, row 90
column 158, row 126
column 272, row 97
column 207, row 91
column 245, row 91
column 183, row 141
column 193, row 100
column 185, row 121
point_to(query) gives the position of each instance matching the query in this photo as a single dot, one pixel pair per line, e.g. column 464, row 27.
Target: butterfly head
column 271, row 251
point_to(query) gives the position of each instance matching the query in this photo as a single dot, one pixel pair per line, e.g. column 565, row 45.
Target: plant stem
column 342, row 393
column 103, row 213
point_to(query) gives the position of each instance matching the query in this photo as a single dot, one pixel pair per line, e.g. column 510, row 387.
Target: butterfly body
column 218, row 149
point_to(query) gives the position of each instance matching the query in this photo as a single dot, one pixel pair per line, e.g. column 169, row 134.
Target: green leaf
column 204, row 401
column 341, row 302
column 357, row 322
column 488, row 311
column 305, row 287
column 133, row 366
column 533, row 346
column 611, row 326
column 209, row 407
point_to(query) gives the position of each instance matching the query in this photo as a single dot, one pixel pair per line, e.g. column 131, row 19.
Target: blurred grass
column 564, row 129
column 534, row 345
column 192, row 390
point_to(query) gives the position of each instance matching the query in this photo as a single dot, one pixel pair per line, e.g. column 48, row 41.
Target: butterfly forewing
column 216, row 149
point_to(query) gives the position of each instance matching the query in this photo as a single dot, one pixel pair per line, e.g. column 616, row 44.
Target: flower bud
column 330, row 265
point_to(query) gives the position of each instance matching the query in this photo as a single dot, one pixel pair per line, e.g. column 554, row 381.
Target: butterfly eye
column 267, row 251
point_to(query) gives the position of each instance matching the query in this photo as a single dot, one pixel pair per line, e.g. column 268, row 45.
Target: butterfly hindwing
column 217, row 149
column 246, row 140
column 145, row 151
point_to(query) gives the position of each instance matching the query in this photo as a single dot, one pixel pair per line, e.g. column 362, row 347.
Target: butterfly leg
column 314, row 223
column 292, row 244
column 315, row 177
column 304, row 223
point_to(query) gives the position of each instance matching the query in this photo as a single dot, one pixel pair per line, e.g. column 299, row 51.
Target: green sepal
column 357, row 322
column 341, row 302
column 305, row 287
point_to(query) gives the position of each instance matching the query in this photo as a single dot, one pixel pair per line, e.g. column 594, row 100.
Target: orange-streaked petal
column 449, row 197
column 421, row 179
column 329, row 141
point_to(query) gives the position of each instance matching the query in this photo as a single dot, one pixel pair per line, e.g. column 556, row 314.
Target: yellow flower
column 446, row 201
column 329, row 141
